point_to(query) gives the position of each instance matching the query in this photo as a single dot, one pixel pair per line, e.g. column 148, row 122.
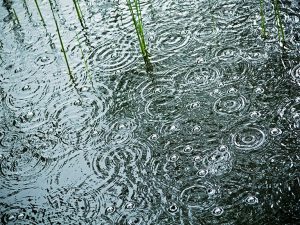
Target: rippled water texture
column 210, row 137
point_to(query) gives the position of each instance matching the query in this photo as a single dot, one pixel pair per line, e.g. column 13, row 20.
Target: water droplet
column 251, row 200
column 84, row 89
column 174, row 158
column 196, row 128
column 188, row 149
column 197, row 158
column 275, row 131
column 29, row 115
column 218, row 211
column 26, row 88
column 110, row 209
column 255, row 114
column 21, row 216
column 153, row 137
column 223, row 148
column 202, row 173
column 77, row 102
column 211, row 191
column 173, row 128
column 259, row 90
column 130, row 205
column 11, row 218
column 232, row 90
column 173, row 208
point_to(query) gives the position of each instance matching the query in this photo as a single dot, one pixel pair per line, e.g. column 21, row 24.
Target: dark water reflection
column 210, row 137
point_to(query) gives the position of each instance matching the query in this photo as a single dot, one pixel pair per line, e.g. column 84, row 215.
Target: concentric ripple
column 201, row 77
column 44, row 59
column 290, row 114
column 113, row 56
column 249, row 138
column 231, row 104
column 171, row 40
column 199, row 196
column 295, row 72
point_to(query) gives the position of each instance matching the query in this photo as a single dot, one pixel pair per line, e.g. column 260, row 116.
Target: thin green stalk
column 61, row 41
column 279, row 21
column 16, row 17
column 39, row 11
column 79, row 13
column 138, row 24
column 263, row 19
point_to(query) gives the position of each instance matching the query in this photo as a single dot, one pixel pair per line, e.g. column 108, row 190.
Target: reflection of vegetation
column 278, row 20
column 60, row 40
column 135, row 11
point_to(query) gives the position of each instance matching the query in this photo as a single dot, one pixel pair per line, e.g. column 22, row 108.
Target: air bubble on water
column 122, row 126
column 110, row 209
column 275, row 131
column 157, row 90
column 251, row 200
column 84, row 89
column 153, row 137
column 211, row 191
column 232, row 90
column 196, row 128
column 202, row 173
column 26, row 88
column 218, row 211
column 130, row 205
column 259, row 90
column 21, row 216
column 188, row 149
column 29, row 115
column 77, row 102
column 11, row 218
column 173, row 128
column 223, row 148
column 197, row 158
column 174, row 158
column 255, row 114
column 173, row 208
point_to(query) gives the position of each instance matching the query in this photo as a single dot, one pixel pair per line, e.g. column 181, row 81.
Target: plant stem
column 79, row 12
column 61, row 41
column 16, row 17
column 39, row 10
column 279, row 21
column 85, row 62
column 263, row 19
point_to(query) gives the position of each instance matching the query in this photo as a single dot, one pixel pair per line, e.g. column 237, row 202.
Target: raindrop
column 174, row 158
column 173, row 128
column 232, row 91
column 197, row 158
column 188, row 149
column 218, row 211
column 21, row 216
column 11, row 218
column 173, row 208
column 251, row 200
column 223, row 148
column 196, row 128
column 110, row 209
column 255, row 114
column 202, row 173
column 29, row 115
column 26, row 88
column 259, row 90
column 275, row 131
column 153, row 137
column 211, row 191
column 130, row 205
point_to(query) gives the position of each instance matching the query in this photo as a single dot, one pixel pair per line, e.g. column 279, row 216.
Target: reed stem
column 279, row 21
column 39, row 11
column 78, row 12
column 263, row 19
column 138, row 24
column 15, row 16
column 61, row 41
column 84, row 59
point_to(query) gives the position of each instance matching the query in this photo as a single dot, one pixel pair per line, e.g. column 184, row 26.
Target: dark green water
column 210, row 137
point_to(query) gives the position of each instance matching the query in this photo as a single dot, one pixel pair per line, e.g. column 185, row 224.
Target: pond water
column 211, row 136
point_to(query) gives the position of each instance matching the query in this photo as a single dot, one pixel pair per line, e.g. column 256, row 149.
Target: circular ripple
column 231, row 104
column 171, row 40
column 249, row 138
column 44, row 59
column 195, row 78
column 295, row 72
column 290, row 114
column 116, row 56
column 229, row 54
column 199, row 196
column 218, row 162
column 22, row 166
